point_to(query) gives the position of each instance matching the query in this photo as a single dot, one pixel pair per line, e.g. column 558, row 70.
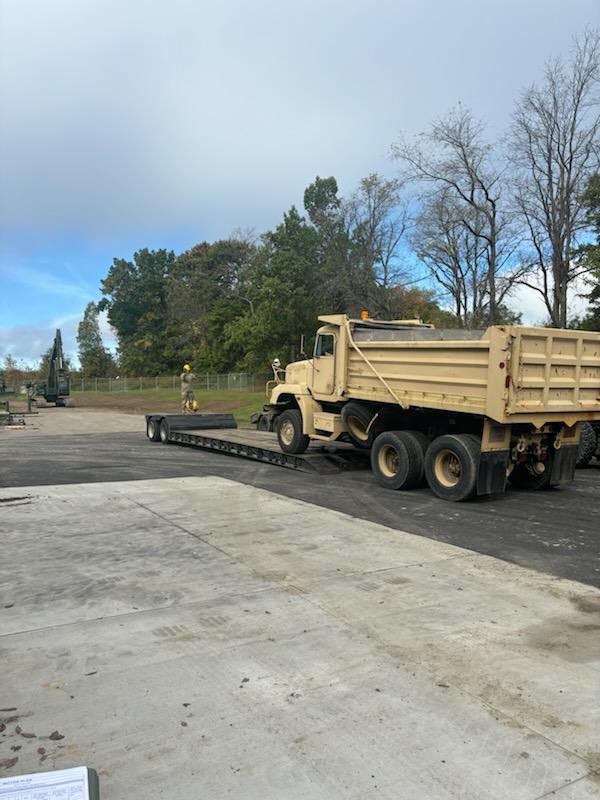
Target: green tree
column 95, row 359
column 285, row 289
column 588, row 255
column 207, row 290
column 135, row 297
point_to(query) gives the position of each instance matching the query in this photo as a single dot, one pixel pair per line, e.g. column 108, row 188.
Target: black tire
column 523, row 476
column 264, row 423
column 357, row 418
column 397, row 460
column 153, row 429
column 588, row 442
column 163, row 431
column 451, row 466
column 422, row 441
column 289, row 432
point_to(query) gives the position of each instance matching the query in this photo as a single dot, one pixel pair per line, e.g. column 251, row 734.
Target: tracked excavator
column 58, row 384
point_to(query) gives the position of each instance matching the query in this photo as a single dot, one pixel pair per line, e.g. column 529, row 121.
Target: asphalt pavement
column 556, row 532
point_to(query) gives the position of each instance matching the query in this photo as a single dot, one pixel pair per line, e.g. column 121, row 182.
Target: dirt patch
column 567, row 637
column 241, row 404
column 586, row 604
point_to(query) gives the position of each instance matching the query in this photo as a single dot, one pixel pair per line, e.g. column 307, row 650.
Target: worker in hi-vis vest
column 188, row 403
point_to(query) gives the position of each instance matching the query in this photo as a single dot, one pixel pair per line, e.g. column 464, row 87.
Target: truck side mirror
column 303, row 345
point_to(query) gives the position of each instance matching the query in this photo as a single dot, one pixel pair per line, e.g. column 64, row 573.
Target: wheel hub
column 389, row 461
column 447, row 468
column 287, row 432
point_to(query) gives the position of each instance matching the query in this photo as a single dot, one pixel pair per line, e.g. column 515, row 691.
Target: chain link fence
column 229, row 381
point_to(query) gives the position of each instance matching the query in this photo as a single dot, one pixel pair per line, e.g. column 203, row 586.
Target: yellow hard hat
column 186, row 368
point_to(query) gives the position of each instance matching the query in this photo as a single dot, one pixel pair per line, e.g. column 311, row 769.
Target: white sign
column 62, row 784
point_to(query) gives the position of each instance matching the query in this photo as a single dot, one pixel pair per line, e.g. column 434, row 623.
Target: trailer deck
column 219, row 433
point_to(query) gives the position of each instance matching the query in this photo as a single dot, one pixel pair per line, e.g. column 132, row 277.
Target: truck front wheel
column 289, row 432
column 451, row 466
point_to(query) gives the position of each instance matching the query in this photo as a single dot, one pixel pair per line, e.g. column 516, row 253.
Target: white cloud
column 46, row 282
column 28, row 342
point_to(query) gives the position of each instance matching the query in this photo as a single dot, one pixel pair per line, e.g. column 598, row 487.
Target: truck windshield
column 325, row 345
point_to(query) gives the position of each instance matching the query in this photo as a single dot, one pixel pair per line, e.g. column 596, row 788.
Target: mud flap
column 563, row 465
column 491, row 477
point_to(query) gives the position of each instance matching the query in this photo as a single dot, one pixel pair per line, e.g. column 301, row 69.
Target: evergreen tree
column 95, row 359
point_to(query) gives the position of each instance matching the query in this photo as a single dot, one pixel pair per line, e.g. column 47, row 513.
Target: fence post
column 141, row 384
column 156, row 383
column 83, row 385
column 125, row 388
column 96, row 384
column 109, row 384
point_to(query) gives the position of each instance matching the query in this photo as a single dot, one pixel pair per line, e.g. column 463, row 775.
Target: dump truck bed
column 510, row 374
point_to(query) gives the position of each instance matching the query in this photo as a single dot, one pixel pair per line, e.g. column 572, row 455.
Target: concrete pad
column 199, row 637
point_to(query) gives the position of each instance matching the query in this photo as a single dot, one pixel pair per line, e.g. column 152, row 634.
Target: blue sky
column 149, row 124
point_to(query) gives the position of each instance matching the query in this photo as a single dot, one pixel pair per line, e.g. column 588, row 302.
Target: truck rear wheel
column 357, row 418
column 289, row 432
column 152, row 430
column 451, row 466
column 397, row 460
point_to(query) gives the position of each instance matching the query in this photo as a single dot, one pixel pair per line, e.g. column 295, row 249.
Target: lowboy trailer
column 219, row 433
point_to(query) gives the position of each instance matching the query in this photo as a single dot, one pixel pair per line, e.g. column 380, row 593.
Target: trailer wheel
column 357, row 418
column 451, row 466
column 587, row 444
column 397, row 460
column 524, row 476
column 289, row 432
column 153, row 430
column 163, row 431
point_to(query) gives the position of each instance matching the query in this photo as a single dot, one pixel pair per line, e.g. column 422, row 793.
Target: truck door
column 324, row 364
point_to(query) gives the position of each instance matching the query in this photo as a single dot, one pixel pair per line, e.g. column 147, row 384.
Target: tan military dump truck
column 462, row 410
